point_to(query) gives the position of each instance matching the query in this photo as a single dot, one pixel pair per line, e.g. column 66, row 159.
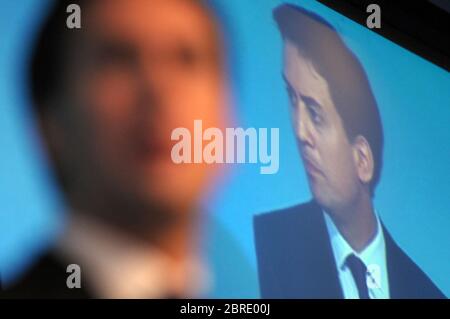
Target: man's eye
column 114, row 57
column 315, row 117
column 187, row 57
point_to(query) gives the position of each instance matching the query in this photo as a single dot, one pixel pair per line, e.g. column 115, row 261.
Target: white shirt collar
column 118, row 267
column 373, row 256
column 373, row 252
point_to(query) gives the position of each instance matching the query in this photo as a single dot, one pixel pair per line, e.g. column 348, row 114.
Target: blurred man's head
column 335, row 114
column 109, row 95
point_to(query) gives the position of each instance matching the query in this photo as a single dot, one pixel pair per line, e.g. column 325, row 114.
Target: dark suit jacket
column 295, row 259
column 46, row 280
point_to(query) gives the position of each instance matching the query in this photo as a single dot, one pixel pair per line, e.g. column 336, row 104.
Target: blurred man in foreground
column 107, row 97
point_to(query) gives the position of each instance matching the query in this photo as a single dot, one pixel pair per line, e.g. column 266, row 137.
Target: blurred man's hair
column 350, row 90
column 49, row 53
column 49, row 57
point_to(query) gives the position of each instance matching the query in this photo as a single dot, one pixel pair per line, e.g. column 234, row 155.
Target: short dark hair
column 47, row 60
column 48, row 55
column 349, row 86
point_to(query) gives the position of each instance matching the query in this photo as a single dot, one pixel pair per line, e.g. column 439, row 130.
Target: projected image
column 159, row 149
column 334, row 246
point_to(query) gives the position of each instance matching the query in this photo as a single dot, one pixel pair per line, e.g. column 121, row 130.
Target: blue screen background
column 412, row 198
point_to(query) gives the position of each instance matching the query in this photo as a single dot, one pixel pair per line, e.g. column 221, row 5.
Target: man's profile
column 334, row 246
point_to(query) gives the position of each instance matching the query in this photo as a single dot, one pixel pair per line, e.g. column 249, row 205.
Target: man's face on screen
column 139, row 70
column 323, row 143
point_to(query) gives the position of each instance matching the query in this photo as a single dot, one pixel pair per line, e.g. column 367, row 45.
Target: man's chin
column 318, row 193
column 164, row 182
column 165, row 192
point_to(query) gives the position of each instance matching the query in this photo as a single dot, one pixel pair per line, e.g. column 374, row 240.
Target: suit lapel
column 398, row 288
column 313, row 268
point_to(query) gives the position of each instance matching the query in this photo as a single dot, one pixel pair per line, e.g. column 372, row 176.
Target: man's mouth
column 311, row 167
column 150, row 149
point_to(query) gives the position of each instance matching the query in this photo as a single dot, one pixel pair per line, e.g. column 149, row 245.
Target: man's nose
column 155, row 85
column 155, row 77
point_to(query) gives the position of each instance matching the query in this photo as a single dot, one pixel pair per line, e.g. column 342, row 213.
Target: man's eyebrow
column 309, row 101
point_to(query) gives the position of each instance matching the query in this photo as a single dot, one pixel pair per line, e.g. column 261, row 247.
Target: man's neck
column 168, row 262
column 356, row 223
column 172, row 232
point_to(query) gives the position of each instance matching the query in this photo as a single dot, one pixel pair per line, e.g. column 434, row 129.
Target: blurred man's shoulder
column 46, row 278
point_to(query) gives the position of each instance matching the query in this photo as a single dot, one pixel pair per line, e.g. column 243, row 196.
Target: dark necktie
column 359, row 271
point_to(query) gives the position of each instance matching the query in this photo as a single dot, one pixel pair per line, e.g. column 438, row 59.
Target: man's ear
column 363, row 159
